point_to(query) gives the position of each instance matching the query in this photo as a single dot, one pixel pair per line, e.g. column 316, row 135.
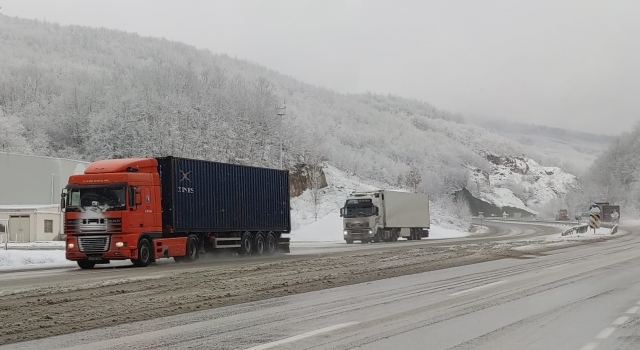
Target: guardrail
column 548, row 222
column 576, row 226
column 576, row 229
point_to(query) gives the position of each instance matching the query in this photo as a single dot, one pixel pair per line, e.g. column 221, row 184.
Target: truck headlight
column 70, row 245
column 345, row 232
column 120, row 244
column 370, row 232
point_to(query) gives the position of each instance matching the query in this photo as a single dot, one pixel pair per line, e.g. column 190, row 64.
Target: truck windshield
column 104, row 198
column 354, row 208
column 356, row 212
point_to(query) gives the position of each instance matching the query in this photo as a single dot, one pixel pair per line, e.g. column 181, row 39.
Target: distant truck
column 608, row 212
column 562, row 215
column 145, row 209
column 376, row 216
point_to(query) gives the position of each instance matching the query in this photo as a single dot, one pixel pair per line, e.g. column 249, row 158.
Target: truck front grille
column 75, row 226
column 357, row 224
column 93, row 244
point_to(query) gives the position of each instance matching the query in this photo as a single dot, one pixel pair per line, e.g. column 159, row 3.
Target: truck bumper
column 357, row 235
column 119, row 247
column 123, row 254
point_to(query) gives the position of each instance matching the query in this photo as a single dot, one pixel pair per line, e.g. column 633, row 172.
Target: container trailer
column 145, row 209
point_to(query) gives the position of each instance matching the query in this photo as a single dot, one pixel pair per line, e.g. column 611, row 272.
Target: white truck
column 376, row 216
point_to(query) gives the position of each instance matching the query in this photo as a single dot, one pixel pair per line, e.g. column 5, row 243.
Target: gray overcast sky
column 572, row 64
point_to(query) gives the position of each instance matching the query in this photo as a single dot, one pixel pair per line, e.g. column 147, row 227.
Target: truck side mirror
column 341, row 212
column 63, row 201
column 376, row 211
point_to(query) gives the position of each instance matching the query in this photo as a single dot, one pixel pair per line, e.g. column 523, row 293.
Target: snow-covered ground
column 30, row 259
column 50, row 245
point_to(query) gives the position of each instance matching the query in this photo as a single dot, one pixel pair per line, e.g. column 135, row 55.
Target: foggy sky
column 570, row 64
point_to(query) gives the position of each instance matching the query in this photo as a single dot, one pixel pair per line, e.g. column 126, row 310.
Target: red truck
column 562, row 215
column 145, row 209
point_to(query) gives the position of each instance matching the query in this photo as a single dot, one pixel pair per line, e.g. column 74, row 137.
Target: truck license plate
column 94, row 257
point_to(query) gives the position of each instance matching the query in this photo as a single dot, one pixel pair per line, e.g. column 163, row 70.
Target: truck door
column 148, row 217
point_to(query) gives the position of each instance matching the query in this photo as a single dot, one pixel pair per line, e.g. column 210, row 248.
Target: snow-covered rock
column 519, row 183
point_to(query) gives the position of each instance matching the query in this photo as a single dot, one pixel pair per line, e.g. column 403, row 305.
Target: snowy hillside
column 572, row 150
column 87, row 93
column 328, row 225
column 519, row 183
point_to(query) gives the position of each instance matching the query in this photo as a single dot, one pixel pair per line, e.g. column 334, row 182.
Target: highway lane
column 583, row 297
column 18, row 280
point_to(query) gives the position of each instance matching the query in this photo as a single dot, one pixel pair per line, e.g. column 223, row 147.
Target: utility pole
column 281, row 111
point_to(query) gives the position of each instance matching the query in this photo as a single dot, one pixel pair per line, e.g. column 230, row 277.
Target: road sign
column 594, row 221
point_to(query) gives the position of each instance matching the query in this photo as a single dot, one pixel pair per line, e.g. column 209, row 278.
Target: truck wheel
column 246, row 244
column 378, row 236
column 271, row 244
column 144, row 254
column 394, row 236
column 258, row 244
column 86, row 264
column 192, row 253
column 349, row 241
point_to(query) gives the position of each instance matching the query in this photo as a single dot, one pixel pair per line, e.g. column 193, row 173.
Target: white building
column 30, row 188
column 30, row 223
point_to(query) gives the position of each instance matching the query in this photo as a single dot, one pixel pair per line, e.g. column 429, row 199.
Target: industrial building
column 30, row 188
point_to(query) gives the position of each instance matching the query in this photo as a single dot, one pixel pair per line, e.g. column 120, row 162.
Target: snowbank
column 37, row 245
column 329, row 229
column 20, row 259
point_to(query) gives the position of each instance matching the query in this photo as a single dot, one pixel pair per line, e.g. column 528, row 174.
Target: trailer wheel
column 258, row 244
column 394, row 236
column 246, row 244
column 144, row 254
column 271, row 244
column 86, row 264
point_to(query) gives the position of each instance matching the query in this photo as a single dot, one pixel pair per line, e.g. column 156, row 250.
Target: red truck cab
column 113, row 212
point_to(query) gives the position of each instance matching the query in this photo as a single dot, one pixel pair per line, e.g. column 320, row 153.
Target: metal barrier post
column 4, row 228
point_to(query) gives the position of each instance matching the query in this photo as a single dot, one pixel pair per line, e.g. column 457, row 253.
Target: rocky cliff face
column 518, row 183
column 300, row 179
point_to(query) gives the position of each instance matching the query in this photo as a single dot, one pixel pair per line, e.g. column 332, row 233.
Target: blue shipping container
column 203, row 196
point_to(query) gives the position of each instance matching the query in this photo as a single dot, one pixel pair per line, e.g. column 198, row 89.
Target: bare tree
column 314, row 180
column 413, row 178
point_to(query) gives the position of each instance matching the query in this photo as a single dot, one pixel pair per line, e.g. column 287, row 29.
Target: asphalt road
column 584, row 297
column 17, row 280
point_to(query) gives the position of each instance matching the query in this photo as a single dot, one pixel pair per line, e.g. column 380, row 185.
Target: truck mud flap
column 283, row 245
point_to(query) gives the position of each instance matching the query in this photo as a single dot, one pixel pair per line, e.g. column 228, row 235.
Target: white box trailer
column 404, row 209
column 385, row 216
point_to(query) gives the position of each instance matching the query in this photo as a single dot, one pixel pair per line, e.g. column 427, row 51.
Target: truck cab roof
column 143, row 165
